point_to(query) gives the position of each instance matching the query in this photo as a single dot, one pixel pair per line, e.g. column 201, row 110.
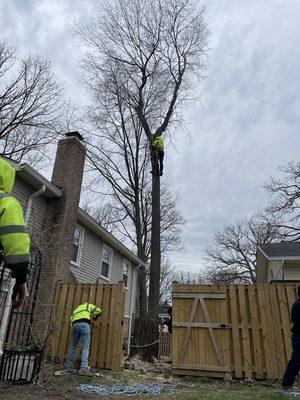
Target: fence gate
column 243, row 330
column 21, row 357
column 200, row 322
column 16, row 326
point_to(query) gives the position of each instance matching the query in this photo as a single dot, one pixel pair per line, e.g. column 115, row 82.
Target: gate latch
column 223, row 325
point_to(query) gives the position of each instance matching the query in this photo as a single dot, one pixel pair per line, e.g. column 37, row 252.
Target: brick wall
column 59, row 225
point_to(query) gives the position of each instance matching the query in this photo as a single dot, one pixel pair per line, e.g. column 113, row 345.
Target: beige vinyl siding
column 39, row 205
column 90, row 265
column 292, row 272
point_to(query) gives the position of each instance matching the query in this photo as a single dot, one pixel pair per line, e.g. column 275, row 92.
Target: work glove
column 18, row 295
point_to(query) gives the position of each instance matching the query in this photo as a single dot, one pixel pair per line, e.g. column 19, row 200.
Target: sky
column 244, row 126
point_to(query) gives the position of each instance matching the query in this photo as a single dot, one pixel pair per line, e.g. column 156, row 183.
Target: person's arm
column 96, row 312
column 16, row 246
column 19, row 272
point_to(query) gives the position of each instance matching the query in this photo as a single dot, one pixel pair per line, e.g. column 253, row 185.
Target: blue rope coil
column 103, row 390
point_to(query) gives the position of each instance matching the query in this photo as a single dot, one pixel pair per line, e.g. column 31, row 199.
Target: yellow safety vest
column 158, row 143
column 14, row 240
column 85, row 311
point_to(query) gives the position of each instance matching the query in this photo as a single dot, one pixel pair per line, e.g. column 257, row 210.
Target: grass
column 223, row 394
column 185, row 388
column 198, row 379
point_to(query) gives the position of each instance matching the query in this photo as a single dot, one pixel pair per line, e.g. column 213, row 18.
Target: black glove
column 18, row 296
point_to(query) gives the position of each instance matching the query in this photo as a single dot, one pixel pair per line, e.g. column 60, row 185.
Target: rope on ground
column 145, row 345
column 103, row 390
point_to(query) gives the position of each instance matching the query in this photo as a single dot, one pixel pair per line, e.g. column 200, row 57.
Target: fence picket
column 107, row 331
column 257, row 329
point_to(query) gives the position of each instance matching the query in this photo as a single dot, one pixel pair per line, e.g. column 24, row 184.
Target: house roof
column 35, row 179
column 281, row 250
column 111, row 240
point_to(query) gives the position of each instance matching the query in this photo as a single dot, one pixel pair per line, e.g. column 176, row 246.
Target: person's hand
column 18, row 296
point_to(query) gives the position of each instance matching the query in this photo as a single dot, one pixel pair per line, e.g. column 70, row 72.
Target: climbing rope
column 145, row 345
column 103, row 390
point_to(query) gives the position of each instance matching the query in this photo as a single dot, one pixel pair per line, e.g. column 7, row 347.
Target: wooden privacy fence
column 107, row 330
column 241, row 330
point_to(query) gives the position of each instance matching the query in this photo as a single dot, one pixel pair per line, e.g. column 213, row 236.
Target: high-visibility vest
column 85, row 311
column 158, row 143
column 14, row 240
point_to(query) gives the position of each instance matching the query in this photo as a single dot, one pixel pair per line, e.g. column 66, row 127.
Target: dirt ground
column 53, row 387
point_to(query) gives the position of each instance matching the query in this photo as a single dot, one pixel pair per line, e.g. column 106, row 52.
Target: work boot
column 288, row 388
column 85, row 372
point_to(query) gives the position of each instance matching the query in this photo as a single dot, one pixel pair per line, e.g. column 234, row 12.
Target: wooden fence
column 241, row 330
column 107, row 330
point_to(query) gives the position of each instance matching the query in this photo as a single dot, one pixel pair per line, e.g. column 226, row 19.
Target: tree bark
column 154, row 287
column 142, row 293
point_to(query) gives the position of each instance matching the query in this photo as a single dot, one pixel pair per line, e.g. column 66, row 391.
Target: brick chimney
column 60, row 219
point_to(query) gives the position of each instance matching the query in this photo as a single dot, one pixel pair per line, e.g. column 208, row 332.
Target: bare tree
column 232, row 258
column 118, row 155
column 148, row 51
column 167, row 276
column 191, row 278
column 30, row 105
column 284, row 208
column 105, row 215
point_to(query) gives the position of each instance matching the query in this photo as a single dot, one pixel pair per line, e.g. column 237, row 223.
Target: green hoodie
column 14, row 240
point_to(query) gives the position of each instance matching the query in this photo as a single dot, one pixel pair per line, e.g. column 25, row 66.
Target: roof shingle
column 281, row 249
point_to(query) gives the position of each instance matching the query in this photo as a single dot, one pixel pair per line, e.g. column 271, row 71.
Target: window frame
column 80, row 245
column 110, row 262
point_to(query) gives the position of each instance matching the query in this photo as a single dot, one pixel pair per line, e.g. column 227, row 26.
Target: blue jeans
column 293, row 366
column 80, row 332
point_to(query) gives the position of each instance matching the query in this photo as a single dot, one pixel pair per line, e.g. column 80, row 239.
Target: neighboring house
column 164, row 311
column 277, row 262
column 75, row 247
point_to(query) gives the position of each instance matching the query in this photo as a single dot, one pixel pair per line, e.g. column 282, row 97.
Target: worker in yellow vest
column 158, row 156
column 81, row 332
column 14, row 240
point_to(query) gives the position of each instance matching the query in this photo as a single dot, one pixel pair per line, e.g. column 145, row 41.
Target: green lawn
column 226, row 394
column 187, row 388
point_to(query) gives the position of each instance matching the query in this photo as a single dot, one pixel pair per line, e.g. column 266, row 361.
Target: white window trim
column 77, row 263
column 110, row 263
column 129, row 272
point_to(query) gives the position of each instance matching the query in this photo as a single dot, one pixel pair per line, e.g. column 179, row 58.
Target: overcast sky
column 246, row 124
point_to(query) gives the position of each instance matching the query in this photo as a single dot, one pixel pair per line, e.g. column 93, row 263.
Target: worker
column 169, row 321
column 14, row 240
column 293, row 366
column 81, row 331
column 158, row 155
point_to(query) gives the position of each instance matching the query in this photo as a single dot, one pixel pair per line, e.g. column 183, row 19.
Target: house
column 278, row 261
column 75, row 247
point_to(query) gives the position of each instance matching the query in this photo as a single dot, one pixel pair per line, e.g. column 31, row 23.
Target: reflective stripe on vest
column 2, row 195
column 5, row 230
column 80, row 311
column 16, row 258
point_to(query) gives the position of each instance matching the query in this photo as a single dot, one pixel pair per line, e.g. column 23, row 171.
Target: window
column 106, row 261
column 77, row 245
column 126, row 266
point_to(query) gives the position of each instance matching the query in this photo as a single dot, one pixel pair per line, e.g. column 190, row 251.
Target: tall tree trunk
column 142, row 291
column 154, row 287
column 142, row 297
